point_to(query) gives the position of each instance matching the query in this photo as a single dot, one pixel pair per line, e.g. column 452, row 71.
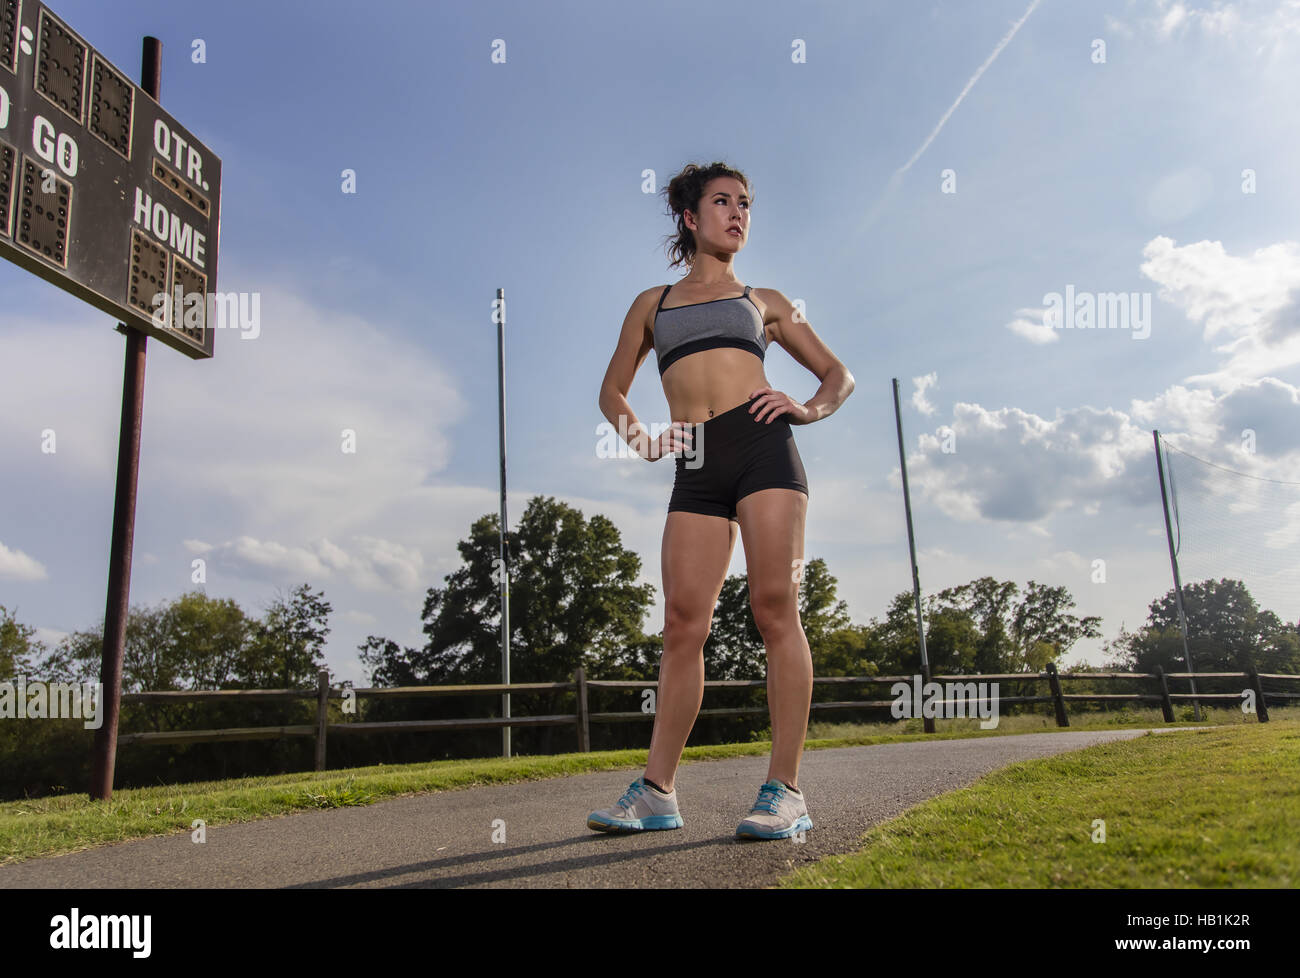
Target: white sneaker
column 777, row 814
column 642, row 807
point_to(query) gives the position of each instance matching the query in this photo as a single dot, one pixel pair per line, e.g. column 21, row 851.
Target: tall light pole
column 503, row 566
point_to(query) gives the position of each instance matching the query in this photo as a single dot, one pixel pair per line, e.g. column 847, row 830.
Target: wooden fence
column 582, row 718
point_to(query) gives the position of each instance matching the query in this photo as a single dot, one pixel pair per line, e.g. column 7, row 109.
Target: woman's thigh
column 694, row 559
column 772, row 527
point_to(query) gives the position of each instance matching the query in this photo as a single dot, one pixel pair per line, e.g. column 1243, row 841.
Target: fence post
column 322, row 714
column 1261, row 708
column 1054, row 681
column 1166, row 704
column 584, row 730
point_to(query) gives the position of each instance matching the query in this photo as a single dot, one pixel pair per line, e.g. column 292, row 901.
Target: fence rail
column 582, row 718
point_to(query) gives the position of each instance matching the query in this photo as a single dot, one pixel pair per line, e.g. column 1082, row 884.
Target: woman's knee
column 774, row 612
column 684, row 629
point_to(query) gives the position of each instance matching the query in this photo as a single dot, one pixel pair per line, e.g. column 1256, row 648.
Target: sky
column 942, row 186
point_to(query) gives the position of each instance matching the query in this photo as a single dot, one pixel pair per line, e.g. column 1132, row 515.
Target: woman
column 740, row 471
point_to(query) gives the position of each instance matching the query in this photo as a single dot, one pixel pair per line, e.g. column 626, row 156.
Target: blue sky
column 1070, row 171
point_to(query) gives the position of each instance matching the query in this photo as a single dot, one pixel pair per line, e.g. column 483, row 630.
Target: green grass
column 68, row 823
column 1214, row 808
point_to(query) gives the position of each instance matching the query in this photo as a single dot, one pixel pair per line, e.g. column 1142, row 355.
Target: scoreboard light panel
column 102, row 192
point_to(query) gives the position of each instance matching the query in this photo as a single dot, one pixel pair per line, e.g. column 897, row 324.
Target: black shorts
column 731, row 456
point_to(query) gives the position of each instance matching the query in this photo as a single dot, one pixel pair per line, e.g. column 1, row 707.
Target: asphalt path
column 534, row 834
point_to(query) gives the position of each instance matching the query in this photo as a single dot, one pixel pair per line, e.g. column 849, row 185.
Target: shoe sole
column 802, row 824
column 649, row 823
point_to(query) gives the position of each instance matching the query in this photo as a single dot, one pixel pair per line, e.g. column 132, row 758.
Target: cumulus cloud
column 257, row 432
column 919, row 386
column 1013, row 465
column 370, row 563
column 1248, row 304
column 18, row 566
column 1031, row 325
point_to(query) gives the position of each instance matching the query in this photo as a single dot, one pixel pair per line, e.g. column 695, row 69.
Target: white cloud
column 1171, row 19
column 256, row 435
column 18, row 566
column 257, row 430
column 920, row 385
column 1268, row 25
column 1012, row 465
column 372, row 563
column 1250, row 303
column 1030, row 324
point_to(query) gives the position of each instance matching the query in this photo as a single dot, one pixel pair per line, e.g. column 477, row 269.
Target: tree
column 19, row 649
column 149, row 659
column 200, row 642
column 574, row 601
column 1043, row 628
column 1019, row 636
column 286, row 649
column 981, row 627
column 1226, row 632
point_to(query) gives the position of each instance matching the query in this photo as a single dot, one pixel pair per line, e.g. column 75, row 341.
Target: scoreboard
column 102, row 192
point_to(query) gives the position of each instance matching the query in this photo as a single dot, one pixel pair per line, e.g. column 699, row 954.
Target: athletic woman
column 738, row 470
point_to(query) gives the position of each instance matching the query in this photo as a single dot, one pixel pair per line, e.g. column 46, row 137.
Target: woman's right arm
column 634, row 343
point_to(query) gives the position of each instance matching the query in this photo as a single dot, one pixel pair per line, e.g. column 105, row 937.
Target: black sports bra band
column 664, row 295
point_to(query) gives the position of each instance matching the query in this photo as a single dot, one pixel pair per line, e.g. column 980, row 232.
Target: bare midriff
column 702, row 385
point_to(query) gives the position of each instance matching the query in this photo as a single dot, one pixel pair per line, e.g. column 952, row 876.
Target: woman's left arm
column 795, row 334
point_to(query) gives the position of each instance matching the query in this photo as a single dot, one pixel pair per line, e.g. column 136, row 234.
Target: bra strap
column 662, row 297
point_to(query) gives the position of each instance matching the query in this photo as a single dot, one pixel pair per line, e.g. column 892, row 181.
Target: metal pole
column 911, row 549
column 1178, row 584
column 504, row 552
column 123, row 535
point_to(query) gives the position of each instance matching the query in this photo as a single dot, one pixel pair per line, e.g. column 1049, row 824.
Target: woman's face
column 724, row 205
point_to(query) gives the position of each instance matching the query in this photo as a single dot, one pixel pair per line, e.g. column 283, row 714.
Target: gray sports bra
column 682, row 330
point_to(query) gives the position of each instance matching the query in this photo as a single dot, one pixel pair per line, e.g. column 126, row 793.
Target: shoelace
column 631, row 794
column 769, row 796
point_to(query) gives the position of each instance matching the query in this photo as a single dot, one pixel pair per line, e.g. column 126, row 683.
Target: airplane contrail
column 897, row 177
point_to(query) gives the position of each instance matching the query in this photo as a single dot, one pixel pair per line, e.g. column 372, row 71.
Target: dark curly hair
column 684, row 192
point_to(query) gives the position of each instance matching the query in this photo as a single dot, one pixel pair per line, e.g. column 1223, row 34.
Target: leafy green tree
column 149, row 660
column 206, row 638
column 854, row 650
column 1043, row 628
column 286, row 648
column 200, row 642
column 981, row 627
column 1019, row 635
column 1226, row 632
column 19, row 648
column 574, row 601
